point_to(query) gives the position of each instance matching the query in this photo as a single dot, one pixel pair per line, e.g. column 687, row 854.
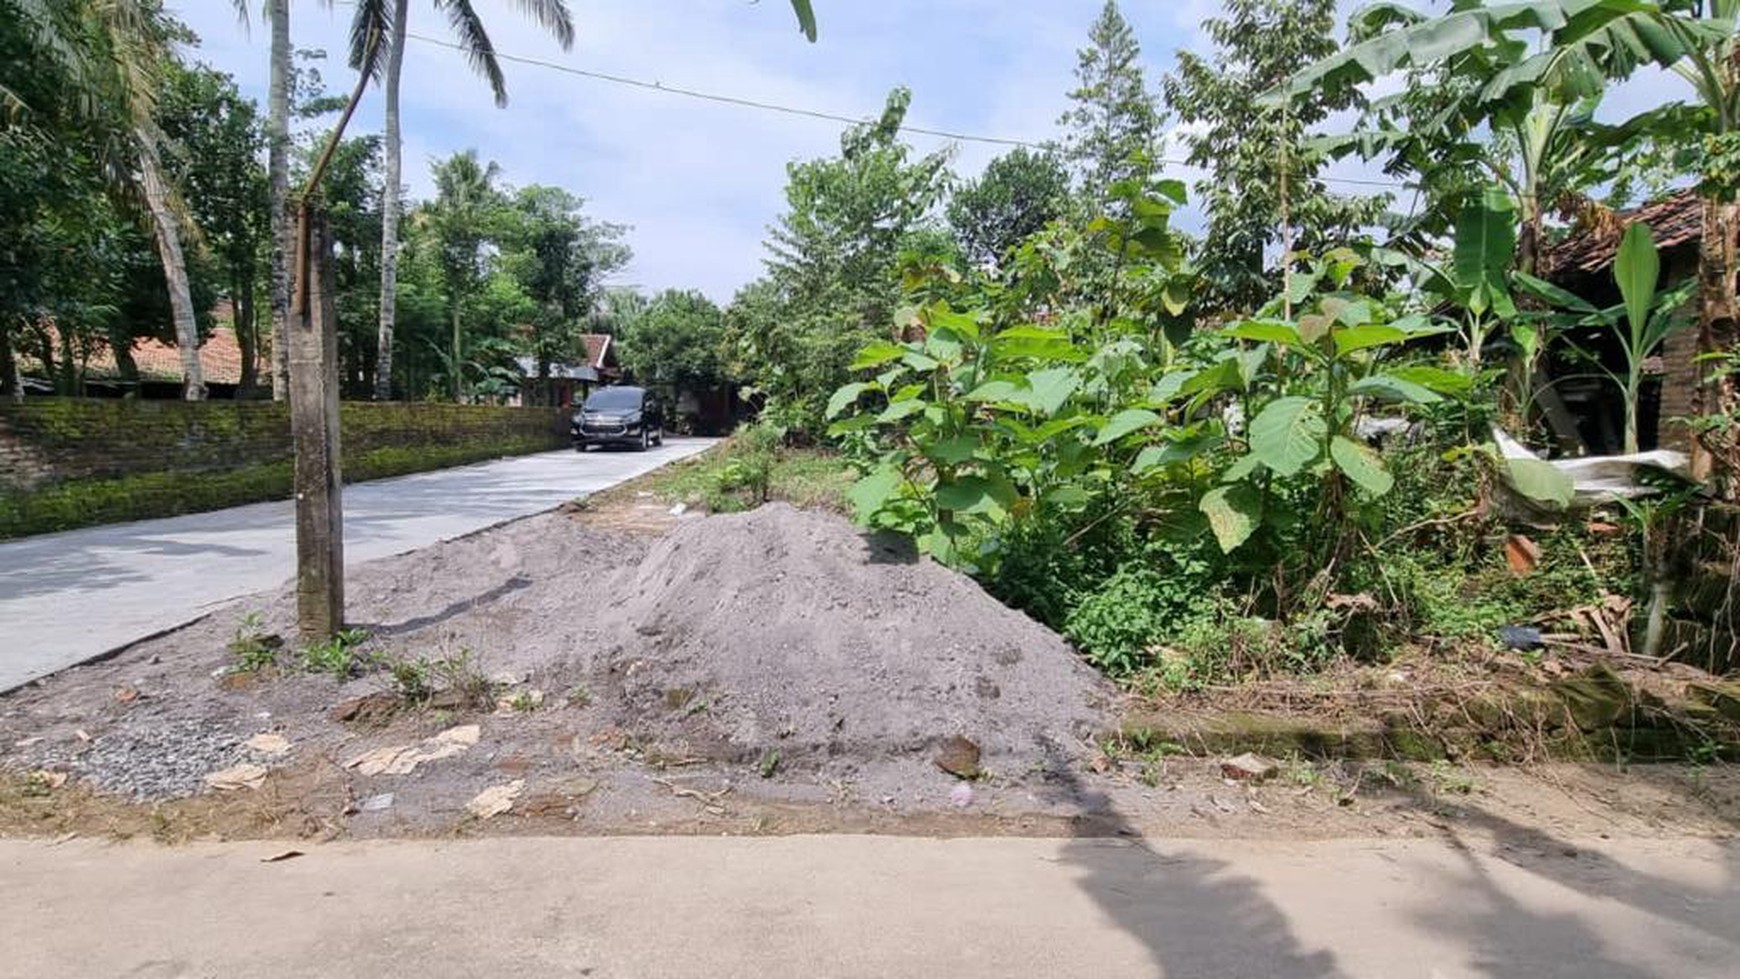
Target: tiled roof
column 1675, row 220
column 220, row 359
column 597, row 348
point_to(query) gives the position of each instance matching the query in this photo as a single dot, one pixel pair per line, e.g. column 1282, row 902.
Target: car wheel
column 645, row 440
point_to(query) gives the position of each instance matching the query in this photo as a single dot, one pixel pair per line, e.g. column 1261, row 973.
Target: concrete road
column 67, row 597
column 873, row 907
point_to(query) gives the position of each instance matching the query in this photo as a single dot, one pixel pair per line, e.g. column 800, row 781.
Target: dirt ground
column 619, row 668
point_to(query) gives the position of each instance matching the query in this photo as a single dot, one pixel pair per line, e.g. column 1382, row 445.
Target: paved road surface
column 65, row 598
column 873, row 907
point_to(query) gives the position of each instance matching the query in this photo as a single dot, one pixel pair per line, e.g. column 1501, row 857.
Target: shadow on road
column 1195, row 915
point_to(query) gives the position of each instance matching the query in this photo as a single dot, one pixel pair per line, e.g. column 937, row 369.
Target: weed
column 254, row 649
column 1300, row 772
column 580, row 696
column 461, row 682
column 1447, row 779
column 769, row 763
column 526, row 701
column 410, row 678
column 337, row 656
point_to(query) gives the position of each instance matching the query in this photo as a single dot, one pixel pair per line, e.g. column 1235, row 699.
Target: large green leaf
column 1125, row 422
column 806, row 17
column 876, row 354
column 846, row 396
column 901, row 409
column 994, row 391
column 1367, row 335
column 1540, row 481
column 1637, row 269
column 1269, row 331
column 1048, row 389
column 1485, row 247
column 966, row 494
column 1232, row 513
column 1392, row 387
column 1542, row 289
column 1288, row 434
column 874, row 491
column 953, row 451
column 1361, row 465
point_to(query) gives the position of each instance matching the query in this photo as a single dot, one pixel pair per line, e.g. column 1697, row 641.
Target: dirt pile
column 788, row 631
column 779, row 643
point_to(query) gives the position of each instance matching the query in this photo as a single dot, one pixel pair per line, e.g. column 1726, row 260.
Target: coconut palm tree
column 393, row 18
column 390, row 18
column 111, row 53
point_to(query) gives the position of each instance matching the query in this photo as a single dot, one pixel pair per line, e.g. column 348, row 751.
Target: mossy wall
column 74, row 462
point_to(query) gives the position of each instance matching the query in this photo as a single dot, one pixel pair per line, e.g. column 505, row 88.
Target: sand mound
column 791, row 631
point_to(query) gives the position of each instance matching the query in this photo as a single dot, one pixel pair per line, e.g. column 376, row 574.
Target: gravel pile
column 163, row 761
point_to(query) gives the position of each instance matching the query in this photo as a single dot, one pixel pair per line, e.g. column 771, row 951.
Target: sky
column 699, row 182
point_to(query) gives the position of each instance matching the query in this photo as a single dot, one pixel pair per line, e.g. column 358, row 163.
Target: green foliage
column 1163, row 597
column 1264, row 178
column 338, row 656
column 834, row 256
column 1019, row 193
column 676, row 342
column 1113, row 126
column 254, row 649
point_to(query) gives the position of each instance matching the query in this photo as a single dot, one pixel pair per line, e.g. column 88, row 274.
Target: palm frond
column 474, row 41
column 552, row 16
column 370, row 26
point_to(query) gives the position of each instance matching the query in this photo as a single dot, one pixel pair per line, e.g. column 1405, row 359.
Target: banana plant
column 1640, row 323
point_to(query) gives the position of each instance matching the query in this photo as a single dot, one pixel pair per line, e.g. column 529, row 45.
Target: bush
column 1144, row 605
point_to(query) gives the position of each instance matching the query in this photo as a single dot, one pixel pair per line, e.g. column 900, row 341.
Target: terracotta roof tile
column 1675, row 220
column 220, row 360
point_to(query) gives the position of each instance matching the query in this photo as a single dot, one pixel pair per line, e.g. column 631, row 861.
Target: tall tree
column 216, row 136
column 1019, row 193
column 561, row 260
column 278, row 185
column 461, row 220
column 835, row 253
column 677, row 343
column 474, row 41
column 1112, row 129
column 1265, row 185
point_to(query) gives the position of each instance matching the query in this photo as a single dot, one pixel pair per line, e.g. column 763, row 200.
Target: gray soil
column 778, row 655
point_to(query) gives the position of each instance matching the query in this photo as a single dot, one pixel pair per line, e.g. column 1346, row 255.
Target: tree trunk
column 11, row 384
column 1718, row 334
column 458, row 368
column 247, row 331
column 278, row 167
column 391, row 204
column 174, row 270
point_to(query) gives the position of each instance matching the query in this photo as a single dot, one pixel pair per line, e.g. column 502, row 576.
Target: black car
column 621, row 415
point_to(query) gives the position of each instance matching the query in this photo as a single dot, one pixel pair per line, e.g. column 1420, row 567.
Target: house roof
column 1675, row 220
column 220, row 359
column 598, row 351
column 577, row 372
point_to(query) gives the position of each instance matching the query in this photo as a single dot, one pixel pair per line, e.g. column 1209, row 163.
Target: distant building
column 568, row 384
column 1585, row 408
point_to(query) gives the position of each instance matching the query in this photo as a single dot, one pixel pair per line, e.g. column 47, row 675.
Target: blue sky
column 699, row 182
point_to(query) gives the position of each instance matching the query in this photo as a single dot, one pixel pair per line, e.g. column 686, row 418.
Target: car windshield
column 614, row 399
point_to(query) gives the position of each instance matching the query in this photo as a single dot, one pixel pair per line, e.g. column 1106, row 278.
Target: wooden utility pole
column 314, row 427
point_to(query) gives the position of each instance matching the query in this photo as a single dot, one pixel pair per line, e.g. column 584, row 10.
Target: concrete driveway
column 65, row 598
column 802, row 906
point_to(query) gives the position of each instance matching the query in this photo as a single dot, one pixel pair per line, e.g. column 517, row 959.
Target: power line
column 791, row 110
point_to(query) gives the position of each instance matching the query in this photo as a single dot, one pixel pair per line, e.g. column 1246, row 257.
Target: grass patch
column 715, row 480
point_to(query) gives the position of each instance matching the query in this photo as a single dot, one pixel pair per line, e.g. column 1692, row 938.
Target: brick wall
column 68, row 462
